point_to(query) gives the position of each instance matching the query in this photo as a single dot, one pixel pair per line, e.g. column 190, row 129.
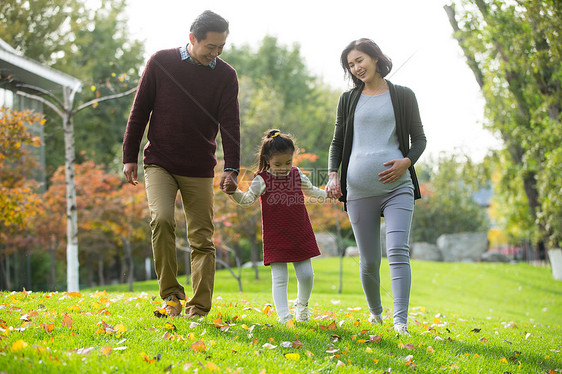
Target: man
column 188, row 94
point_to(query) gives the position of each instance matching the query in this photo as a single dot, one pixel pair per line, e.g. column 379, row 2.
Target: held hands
column 397, row 169
column 229, row 182
column 333, row 188
column 130, row 170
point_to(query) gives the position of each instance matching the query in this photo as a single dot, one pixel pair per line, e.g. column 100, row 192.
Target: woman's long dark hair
column 384, row 64
column 273, row 142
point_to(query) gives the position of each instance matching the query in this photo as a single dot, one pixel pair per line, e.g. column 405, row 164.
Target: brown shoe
column 172, row 306
column 193, row 315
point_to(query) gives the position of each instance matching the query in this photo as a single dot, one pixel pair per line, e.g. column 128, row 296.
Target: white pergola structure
column 36, row 81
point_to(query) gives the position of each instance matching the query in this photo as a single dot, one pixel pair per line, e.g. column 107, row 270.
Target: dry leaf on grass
column 198, row 346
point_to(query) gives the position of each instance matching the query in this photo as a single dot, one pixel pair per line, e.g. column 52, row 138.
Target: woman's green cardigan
column 408, row 126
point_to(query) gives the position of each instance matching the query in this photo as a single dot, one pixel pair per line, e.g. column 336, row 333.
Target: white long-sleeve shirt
column 257, row 188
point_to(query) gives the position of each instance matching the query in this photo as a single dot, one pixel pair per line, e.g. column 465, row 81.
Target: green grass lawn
column 464, row 318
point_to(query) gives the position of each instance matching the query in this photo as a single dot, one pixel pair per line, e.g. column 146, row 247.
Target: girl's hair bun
column 273, row 133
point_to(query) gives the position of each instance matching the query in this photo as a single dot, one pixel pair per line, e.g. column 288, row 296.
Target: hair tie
column 277, row 133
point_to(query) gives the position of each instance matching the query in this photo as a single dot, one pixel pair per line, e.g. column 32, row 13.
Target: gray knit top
column 374, row 143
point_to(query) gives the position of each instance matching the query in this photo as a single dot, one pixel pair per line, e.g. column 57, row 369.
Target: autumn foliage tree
column 112, row 221
column 18, row 191
column 17, row 197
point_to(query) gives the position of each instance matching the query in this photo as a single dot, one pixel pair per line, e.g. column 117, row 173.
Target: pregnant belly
column 363, row 170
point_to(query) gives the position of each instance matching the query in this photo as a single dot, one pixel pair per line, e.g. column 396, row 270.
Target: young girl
column 286, row 229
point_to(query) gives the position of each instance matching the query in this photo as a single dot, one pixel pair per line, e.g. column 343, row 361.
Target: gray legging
column 365, row 216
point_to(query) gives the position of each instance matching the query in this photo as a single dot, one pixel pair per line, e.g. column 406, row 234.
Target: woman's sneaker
column 376, row 319
column 302, row 312
column 287, row 318
column 401, row 329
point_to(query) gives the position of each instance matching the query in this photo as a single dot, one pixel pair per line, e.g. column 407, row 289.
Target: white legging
column 280, row 281
column 365, row 215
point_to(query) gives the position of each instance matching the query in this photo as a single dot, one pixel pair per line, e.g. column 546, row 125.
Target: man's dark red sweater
column 186, row 104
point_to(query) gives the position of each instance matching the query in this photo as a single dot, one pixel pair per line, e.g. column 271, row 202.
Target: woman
column 376, row 121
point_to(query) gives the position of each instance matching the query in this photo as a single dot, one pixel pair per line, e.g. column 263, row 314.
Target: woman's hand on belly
column 397, row 168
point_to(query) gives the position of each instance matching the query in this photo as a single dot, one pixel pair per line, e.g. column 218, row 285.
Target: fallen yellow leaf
column 211, row 366
column 67, row 321
column 18, row 346
column 292, row 356
column 120, row 329
column 266, row 309
column 106, row 350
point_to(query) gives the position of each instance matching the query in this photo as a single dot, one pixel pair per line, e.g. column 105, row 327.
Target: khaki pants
column 197, row 197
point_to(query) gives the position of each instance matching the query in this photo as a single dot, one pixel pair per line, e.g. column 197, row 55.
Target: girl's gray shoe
column 302, row 312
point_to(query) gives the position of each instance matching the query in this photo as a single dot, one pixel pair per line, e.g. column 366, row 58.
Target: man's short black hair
column 208, row 21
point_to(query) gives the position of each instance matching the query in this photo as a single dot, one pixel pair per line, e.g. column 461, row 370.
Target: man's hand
column 397, row 169
column 229, row 182
column 130, row 171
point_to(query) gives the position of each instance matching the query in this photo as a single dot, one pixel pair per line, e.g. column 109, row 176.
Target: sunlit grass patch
column 98, row 331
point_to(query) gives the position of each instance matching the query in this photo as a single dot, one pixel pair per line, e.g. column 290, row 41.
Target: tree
column 236, row 224
column 91, row 44
column 112, row 222
column 107, row 60
column 277, row 91
column 447, row 205
column 112, row 28
column 18, row 192
column 261, row 108
column 514, row 50
column 279, row 67
column 49, row 226
column 124, row 217
column 66, row 111
column 39, row 28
